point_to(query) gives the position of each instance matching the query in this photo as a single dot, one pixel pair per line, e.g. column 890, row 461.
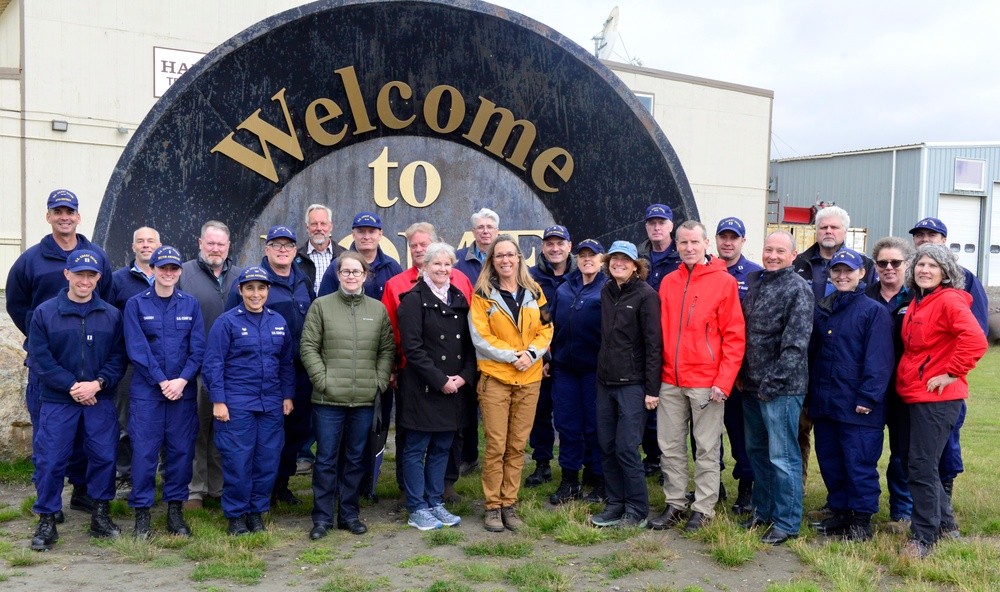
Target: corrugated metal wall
column 941, row 170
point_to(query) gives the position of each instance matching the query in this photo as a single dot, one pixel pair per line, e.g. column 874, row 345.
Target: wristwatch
column 102, row 382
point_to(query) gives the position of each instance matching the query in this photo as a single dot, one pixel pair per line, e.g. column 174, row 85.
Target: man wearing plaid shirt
column 319, row 251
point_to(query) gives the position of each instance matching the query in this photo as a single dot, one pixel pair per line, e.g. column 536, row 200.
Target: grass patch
column 166, row 561
column 442, row 586
column 8, row 513
column 794, row 587
column 349, row 580
column 24, row 558
column 729, row 544
column 130, row 548
column 641, row 554
column 28, row 505
column 419, row 560
column 508, row 549
column 17, row 472
column 479, row 572
column 317, row 556
column 241, row 568
column 537, row 575
column 443, row 536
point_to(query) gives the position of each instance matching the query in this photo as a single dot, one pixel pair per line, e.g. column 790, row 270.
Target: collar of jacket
column 545, row 267
column 51, row 249
column 381, row 259
column 770, row 276
column 422, row 290
column 838, row 300
column 208, row 268
column 350, row 298
column 66, row 305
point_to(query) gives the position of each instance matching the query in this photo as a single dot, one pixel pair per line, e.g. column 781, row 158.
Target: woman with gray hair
column 942, row 342
column 434, row 385
column 891, row 255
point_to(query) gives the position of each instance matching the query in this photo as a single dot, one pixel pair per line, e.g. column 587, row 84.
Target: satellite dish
column 604, row 42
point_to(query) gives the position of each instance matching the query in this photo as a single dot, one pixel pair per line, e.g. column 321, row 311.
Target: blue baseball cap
column 932, row 224
column 165, row 256
column 254, row 274
column 848, row 257
column 557, row 231
column 625, row 248
column 83, row 260
column 591, row 244
column 734, row 224
column 280, row 232
column 659, row 211
column 62, row 198
column 367, row 219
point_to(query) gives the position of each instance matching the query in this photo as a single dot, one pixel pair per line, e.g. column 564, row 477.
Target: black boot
column 238, row 526
column 860, row 528
column 949, row 485
column 175, row 520
column 542, row 474
column 722, row 492
column 744, row 498
column 142, row 528
column 569, row 489
column 255, row 523
column 836, row 524
column 597, row 494
column 46, row 534
column 59, row 517
column 101, row 525
column 282, row 495
column 80, row 501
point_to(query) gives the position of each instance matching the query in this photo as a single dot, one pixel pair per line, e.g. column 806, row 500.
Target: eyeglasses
column 282, row 246
column 893, row 263
column 484, row 228
column 349, row 272
column 505, row 255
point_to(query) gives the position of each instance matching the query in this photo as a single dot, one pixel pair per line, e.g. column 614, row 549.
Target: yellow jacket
column 497, row 337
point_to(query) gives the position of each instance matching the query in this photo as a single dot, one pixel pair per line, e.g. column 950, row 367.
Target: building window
column 970, row 175
column 646, row 100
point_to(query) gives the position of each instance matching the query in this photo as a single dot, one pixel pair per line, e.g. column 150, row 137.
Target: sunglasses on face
column 893, row 263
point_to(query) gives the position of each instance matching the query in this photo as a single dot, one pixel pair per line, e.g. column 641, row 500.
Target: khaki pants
column 676, row 407
column 508, row 414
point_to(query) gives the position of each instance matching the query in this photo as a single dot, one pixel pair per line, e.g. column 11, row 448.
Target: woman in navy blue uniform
column 76, row 347
column 576, row 314
column 165, row 339
column 250, row 377
column 851, row 361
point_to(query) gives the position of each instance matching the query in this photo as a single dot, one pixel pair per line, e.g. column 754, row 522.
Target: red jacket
column 703, row 331
column 940, row 336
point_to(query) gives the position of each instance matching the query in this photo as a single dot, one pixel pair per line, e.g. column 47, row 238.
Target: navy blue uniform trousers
column 848, row 457
column 250, row 446
column 153, row 425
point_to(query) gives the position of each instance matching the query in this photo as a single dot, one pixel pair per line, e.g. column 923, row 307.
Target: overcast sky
column 846, row 75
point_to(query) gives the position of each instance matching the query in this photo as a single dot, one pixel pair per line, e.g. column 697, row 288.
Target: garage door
column 993, row 256
column 961, row 214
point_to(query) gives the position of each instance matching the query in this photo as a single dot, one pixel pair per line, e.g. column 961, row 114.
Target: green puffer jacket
column 347, row 349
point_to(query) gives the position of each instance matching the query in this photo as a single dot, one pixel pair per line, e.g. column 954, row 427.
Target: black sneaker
column 630, row 520
column 609, row 517
column 542, row 474
column 744, row 498
column 567, row 492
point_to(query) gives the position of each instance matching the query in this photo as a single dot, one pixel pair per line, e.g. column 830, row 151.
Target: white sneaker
column 444, row 516
column 423, row 520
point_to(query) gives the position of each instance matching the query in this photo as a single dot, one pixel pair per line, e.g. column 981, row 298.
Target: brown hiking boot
column 493, row 521
column 510, row 519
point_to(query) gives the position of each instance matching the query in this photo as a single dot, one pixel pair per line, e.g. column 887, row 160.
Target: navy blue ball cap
column 932, row 224
column 734, row 224
column 557, row 231
column 591, row 244
column 367, row 219
column 625, row 248
column 83, row 260
column 659, row 211
column 280, row 232
column 165, row 255
column 254, row 274
column 848, row 257
column 62, row 198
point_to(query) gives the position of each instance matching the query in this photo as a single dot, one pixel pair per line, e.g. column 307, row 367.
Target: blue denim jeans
column 772, row 431
column 621, row 415
column 424, row 460
column 341, row 433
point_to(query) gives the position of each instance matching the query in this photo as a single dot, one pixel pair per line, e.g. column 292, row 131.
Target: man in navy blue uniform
column 165, row 340
column 932, row 230
column 208, row 278
column 126, row 282
column 485, row 229
column 661, row 253
column 78, row 354
column 554, row 265
column 730, row 236
column 250, row 376
column 36, row 276
column 367, row 232
column 290, row 295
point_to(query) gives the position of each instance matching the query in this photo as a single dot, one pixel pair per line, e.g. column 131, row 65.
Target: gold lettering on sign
column 432, row 184
column 266, row 134
column 547, row 161
column 505, row 127
column 384, row 107
column 355, row 100
column 314, row 123
column 432, row 106
column 380, row 171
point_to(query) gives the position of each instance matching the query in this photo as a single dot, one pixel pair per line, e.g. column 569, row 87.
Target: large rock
column 15, row 424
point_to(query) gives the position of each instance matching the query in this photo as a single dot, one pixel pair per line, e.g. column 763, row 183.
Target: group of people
column 228, row 377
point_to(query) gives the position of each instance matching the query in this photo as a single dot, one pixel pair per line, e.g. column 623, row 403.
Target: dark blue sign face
column 416, row 110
